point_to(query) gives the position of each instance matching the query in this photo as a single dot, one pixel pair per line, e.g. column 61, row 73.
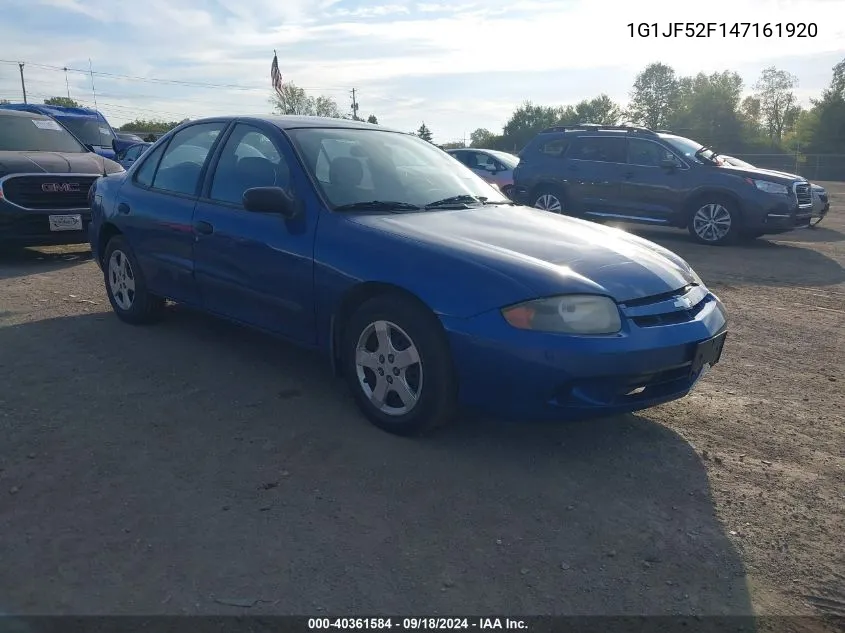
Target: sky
column 456, row 65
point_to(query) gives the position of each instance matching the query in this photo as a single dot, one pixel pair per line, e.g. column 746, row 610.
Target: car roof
column 23, row 114
column 290, row 122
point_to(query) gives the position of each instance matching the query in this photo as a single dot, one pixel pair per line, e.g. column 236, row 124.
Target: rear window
column 555, row 147
column 36, row 134
column 89, row 130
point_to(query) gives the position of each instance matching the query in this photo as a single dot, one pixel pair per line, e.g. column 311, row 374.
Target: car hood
column 768, row 174
column 54, row 163
column 545, row 252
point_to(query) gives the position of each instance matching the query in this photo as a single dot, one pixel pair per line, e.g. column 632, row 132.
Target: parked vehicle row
column 426, row 288
column 637, row 175
column 493, row 166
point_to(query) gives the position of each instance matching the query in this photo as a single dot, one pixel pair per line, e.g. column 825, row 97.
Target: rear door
column 593, row 174
column 156, row 208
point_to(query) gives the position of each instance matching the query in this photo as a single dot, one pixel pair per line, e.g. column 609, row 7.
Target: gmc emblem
column 60, row 187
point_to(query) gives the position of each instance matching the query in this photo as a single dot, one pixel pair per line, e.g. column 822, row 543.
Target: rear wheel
column 399, row 367
column 126, row 287
column 714, row 222
column 549, row 199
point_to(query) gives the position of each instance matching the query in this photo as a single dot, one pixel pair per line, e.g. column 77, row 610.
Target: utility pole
column 67, row 85
column 23, row 83
column 354, row 105
column 93, row 90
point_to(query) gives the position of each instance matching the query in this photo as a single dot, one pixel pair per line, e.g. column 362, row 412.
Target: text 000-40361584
column 723, row 29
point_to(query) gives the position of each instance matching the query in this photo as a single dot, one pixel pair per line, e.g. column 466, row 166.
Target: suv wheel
column 550, row 199
column 714, row 221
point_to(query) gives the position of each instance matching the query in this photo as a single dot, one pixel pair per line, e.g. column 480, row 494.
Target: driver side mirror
column 270, row 200
column 669, row 163
column 114, row 144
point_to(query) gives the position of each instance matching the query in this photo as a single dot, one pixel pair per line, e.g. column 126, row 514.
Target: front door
column 256, row 268
column 650, row 191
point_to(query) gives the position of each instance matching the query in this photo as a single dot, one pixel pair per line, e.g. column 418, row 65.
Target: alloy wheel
column 712, row 222
column 389, row 368
column 121, row 280
column 549, row 202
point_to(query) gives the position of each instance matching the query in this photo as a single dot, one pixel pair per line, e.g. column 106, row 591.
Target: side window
column 144, row 175
column 249, row 159
column 133, row 153
column 462, row 157
column 603, row 149
column 647, row 153
column 554, row 148
column 180, row 167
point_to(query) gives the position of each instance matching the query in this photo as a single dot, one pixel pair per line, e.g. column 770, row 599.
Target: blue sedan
column 426, row 287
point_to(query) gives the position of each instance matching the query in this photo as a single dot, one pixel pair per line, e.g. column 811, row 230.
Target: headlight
column 569, row 314
column 771, row 187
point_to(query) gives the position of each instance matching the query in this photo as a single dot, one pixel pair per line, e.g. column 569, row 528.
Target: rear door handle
column 123, row 208
column 203, row 228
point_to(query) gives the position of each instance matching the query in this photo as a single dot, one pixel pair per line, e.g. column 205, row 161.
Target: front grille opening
column 48, row 192
column 634, row 303
column 670, row 318
column 803, row 194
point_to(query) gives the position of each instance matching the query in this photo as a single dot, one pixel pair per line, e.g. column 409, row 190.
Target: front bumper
column 33, row 228
column 767, row 213
column 520, row 375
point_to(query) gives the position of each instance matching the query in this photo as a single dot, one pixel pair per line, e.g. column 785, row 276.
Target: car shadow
column 198, row 467
column 768, row 261
column 20, row 262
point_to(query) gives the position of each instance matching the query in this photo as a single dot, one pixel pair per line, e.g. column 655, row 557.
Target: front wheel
column 126, row 287
column 398, row 365
column 714, row 222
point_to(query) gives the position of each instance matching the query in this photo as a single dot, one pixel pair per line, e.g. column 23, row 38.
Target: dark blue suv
column 638, row 175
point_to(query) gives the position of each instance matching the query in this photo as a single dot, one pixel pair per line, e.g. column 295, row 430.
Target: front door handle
column 203, row 228
column 123, row 208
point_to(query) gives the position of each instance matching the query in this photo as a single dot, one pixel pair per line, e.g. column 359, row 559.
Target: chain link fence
column 810, row 166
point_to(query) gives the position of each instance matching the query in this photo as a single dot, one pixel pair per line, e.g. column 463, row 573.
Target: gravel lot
column 196, row 467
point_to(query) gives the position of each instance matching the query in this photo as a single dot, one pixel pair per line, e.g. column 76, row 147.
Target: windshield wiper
column 460, row 200
column 378, row 205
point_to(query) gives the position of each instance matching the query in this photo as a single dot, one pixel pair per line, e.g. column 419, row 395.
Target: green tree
column 527, row 121
column 602, row 110
column 149, row 127
column 777, row 101
column 707, row 109
column 654, row 97
column 826, row 119
column 291, row 99
column 65, row 102
column 481, row 138
column 424, row 133
column 453, row 145
column 372, row 119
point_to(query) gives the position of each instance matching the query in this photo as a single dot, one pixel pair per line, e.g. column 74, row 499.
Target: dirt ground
column 196, row 467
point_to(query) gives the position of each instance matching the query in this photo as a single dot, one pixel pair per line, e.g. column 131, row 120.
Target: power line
column 158, row 80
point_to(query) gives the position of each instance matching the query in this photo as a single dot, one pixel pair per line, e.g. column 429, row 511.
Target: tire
column 551, row 199
column 715, row 222
column 126, row 287
column 379, row 366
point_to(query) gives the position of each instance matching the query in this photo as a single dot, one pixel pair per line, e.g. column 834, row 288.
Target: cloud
column 396, row 53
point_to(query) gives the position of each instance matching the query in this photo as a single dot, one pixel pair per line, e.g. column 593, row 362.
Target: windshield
column 510, row 161
column 688, row 148
column 89, row 130
column 353, row 166
column 36, row 134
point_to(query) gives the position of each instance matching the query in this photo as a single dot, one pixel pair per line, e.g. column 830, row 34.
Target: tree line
column 708, row 108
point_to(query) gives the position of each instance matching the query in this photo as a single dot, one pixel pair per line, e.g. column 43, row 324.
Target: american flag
column 276, row 74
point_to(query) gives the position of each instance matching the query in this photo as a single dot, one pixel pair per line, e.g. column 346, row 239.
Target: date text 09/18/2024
column 724, row 29
column 417, row 624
